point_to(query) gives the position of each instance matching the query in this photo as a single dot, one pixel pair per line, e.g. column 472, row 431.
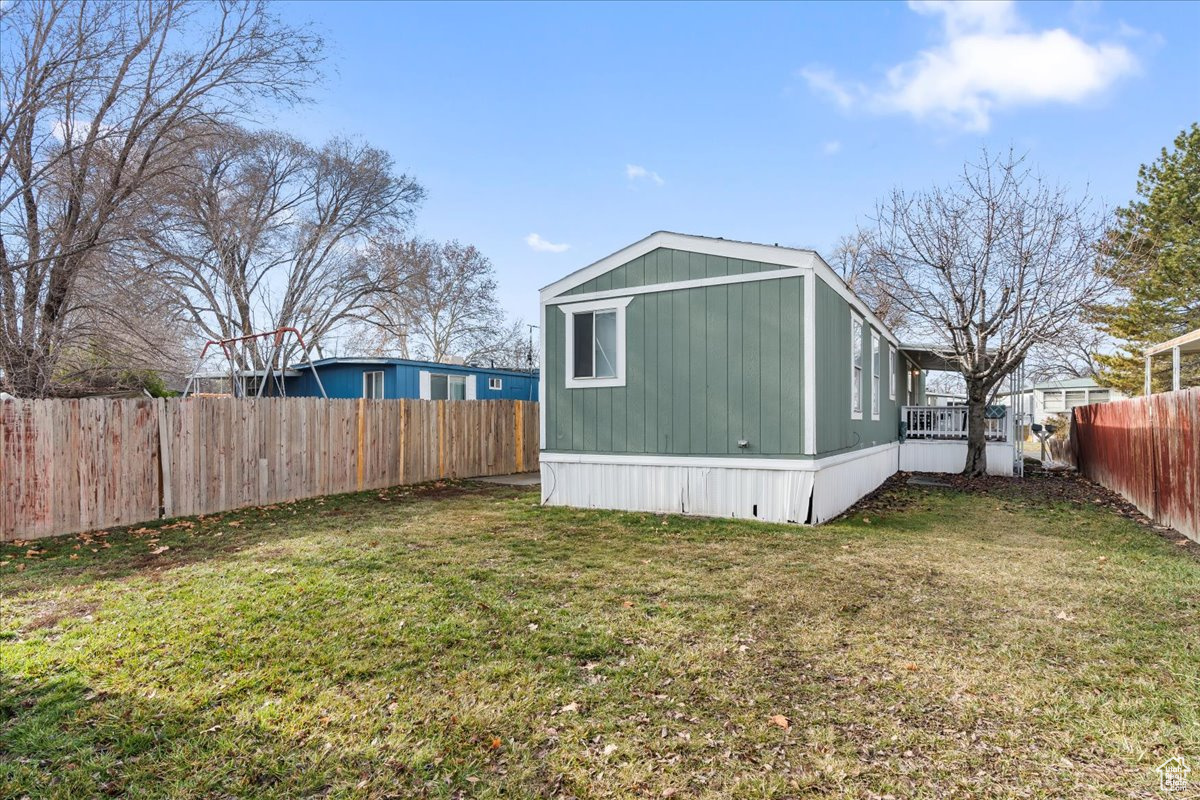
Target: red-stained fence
column 1148, row 450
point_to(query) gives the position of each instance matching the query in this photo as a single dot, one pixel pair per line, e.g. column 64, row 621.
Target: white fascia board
column 717, row 462
column 764, row 253
column 654, row 288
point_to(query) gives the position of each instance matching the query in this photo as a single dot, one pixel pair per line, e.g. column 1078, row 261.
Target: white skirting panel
column 933, row 456
column 779, row 492
column 842, row 485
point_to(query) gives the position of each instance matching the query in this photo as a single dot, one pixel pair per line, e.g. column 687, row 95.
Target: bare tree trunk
column 976, row 465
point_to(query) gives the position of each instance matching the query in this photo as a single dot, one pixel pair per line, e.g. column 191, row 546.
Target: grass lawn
column 460, row 641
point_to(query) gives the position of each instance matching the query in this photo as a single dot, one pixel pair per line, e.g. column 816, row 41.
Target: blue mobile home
column 397, row 378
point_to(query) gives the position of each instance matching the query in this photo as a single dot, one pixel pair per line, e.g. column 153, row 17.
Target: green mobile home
column 705, row 376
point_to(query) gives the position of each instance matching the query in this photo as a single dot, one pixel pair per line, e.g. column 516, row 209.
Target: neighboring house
column 394, row 378
column 1059, row 397
column 705, row 376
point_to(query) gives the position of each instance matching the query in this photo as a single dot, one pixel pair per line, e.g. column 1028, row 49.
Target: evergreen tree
column 1153, row 254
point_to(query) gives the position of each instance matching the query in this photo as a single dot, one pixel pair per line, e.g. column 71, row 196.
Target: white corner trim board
column 810, row 363
column 426, row 390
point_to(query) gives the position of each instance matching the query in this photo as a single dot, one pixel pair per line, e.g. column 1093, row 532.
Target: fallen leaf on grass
column 911, row 667
column 234, row 523
column 496, row 742
column 609, row 749
column 569, row 708
column 780, row 720
column 159, row 550
column 1064, row 616
column 669, row 792
column 628, row 604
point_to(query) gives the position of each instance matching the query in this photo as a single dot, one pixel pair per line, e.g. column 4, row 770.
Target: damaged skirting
column 773, row 490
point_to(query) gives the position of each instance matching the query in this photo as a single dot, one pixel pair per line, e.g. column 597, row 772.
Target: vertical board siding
column 836, row 430
column 665, row 265
column 76, row 465
column 705, row 367
column 1148, row 450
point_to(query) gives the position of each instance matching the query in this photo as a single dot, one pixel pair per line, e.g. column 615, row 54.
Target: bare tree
column 448, row 307
column 852, row 259
column 264, row 232
column 988, row 267
column 99, row 101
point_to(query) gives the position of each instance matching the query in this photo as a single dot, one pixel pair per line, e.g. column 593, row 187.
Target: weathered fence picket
column 74, row 465
column 1148, row 450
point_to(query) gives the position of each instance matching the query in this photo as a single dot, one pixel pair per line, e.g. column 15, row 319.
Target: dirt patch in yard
column 1039, row 487
column 56, row 613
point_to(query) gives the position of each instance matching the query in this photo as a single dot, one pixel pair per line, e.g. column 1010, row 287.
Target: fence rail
column 1148, row 450
column 75, row 465
column 950, row 423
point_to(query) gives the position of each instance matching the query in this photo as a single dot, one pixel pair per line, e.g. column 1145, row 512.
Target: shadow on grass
column 68, row 740
column 154, row 547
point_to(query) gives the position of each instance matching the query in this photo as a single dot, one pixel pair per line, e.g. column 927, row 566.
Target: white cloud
column 988, row 60
column 635, row 173
column 542, row 246
column 832, row 147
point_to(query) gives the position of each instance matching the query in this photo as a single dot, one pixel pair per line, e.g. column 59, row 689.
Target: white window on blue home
column 856, row 367
column 595, row 343
column 373, row 385
column 891, row 368
column 447, row 387
column 874, row 375
column 495, row 384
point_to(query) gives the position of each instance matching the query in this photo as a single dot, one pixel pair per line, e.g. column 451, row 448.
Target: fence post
column 362, row 422
column 441, row 434
column 519, row 434
column 166, row 504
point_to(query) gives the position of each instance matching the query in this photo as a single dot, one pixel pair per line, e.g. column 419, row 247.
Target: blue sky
column 593, row 125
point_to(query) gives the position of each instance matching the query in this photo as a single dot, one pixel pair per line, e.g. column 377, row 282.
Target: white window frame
column 378, row 379
column 495, row 384
column 856, row 366
column 892, row 372
column 616, row 304
column 876, row 366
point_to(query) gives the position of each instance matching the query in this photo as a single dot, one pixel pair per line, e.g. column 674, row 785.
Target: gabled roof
column 787, row 258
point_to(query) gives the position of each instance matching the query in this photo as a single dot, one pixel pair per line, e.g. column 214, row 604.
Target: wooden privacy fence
column 1148, row 450
column 76, row 465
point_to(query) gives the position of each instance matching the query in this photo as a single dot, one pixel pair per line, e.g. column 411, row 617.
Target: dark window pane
column 437, row 387
column 583, row 345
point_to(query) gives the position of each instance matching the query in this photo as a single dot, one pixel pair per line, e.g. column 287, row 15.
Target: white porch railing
column 950, row 423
